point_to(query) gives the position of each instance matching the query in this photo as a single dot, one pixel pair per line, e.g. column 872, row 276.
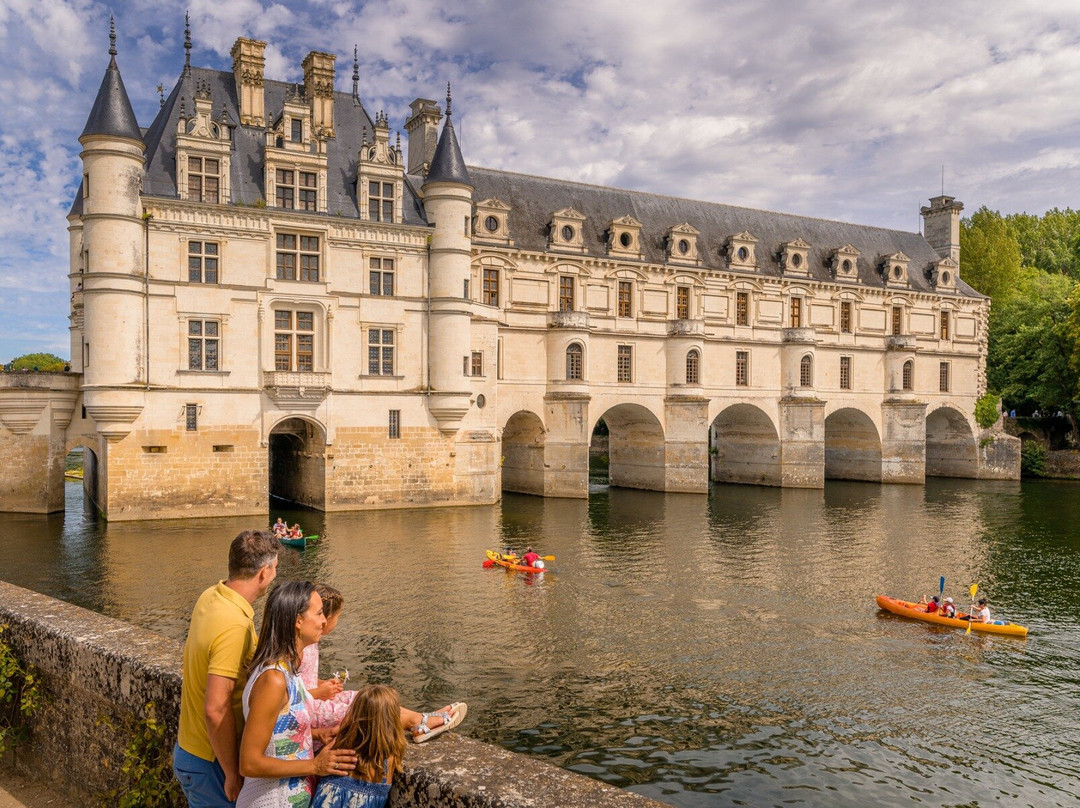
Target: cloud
column 836, row 109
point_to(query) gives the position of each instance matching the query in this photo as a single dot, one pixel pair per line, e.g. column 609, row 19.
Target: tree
column 990, row 253
column 38, row 361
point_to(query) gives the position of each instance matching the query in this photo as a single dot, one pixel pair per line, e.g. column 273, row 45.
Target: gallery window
column 381, row 276
column 625, row 299
column 682, row 302
column 297, row 257
column 575, row 364
column 806, row 372
column 845, row 372
column 742, row 368
column 203, row 261
column 908, row 375
column 796, row 312
column 845, row 317
column 381, row 352
column 943, row 377
column 203, row 344
column 897, row 320
column 693, row 366
column 491, row 287
column 294, row 340
column 742, row 308
column 944, row 325
column 624, row 364
column 566, row 293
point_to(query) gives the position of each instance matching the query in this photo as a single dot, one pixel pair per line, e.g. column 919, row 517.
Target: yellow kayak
column 917, row 611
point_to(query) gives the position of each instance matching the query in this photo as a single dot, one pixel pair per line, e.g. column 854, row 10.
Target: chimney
column 941, row 224
column 319, row 90
column 423, row 129
column 248, row 64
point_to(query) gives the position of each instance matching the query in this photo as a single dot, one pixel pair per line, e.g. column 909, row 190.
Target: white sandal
column 421, row 732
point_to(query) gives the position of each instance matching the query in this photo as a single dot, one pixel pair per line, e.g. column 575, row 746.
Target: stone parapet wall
column 96, row 667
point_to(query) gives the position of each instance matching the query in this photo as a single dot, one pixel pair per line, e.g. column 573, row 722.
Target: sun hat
column 948, row 600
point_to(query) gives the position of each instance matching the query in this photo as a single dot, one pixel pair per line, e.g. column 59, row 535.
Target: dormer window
column 566, row 231
column 845, row 264
column 297, row 133
column 943, row 274
column 894, row 269
column 379, row 179
column 741, row 251
column 682, row 245
column 492, row 221
column 204, row 179
column 794, row 258
column 381, row 201
column 203, row 152
column 624, row 238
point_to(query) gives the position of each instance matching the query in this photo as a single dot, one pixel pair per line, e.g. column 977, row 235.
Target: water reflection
column 701, row 650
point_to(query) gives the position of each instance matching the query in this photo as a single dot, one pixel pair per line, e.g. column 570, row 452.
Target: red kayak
column 511, row 562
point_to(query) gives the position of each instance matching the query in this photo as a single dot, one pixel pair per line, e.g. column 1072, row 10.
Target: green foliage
column 1033, row 459
column 990, row 253
column 146, row 774
column 1033, row 337
column 1050, row 242
column 987, row 409
column 38, row 361
column 21, row 696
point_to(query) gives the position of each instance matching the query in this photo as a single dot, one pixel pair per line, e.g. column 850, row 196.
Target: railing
column 297, row 388
column 900, row 342
column 568, row 319
column 805, row 335
column 686, row 328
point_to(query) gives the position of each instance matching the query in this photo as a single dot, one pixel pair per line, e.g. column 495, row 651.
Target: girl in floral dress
column 276, row 758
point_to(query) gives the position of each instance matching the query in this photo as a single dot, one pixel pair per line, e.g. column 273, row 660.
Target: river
column 703, row 651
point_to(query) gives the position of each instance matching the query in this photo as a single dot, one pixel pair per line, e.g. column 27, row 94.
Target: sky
column 837, row 109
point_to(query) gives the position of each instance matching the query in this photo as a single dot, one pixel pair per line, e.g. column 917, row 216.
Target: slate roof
column 247, row 176
column 447, row 164
column 533, row 200
column 112, row 113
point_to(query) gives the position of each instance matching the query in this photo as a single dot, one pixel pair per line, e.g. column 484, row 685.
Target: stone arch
column 951, row 450
column 297, row 449
column 93, row 467
column 852, row 446
column 744, row 447
column 636, row 448
column 523, row 439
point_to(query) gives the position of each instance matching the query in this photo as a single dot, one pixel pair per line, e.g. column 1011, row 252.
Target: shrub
column 987, row 409
column 21, row 696
column 1033, row 459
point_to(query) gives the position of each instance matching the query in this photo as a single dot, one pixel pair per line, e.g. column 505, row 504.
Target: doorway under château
column 298, row 463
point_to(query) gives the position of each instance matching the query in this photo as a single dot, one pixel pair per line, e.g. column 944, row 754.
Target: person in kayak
column 981, row 614
column 280, row 528
column 530, row 558
column 948, row 610
column 933, row 606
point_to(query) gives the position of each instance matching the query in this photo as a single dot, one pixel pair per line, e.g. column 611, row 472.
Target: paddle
column 941, row 587
column 974, row 589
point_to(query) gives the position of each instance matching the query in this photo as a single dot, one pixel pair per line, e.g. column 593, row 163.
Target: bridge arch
column 636, row 448
column 93, row 468
column 852, row 446
column 744, row 447
column 297, row 449
column 951, row 449
column 523, row 438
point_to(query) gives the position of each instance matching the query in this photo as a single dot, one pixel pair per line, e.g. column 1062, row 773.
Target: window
column 476, row 366
column 845, row 372
column 944, row 325
column 308, row 192
column 203, row 179
column 202, row 261
column 381, row 276
column 191, row 417
column 845, row 317
column 624, row 364
column 742, row 368
column 380, row 352
column 381, row 201
column 293, row 251
column 897, row 320
column 465, row 289
column 395, row 424
column 491, row 287
column 625, row 299
column 682, row 302
column 943, row 377
column 285, row 184
column 203, row 344
column 294, row 340
column 574, row 362
column 908, row 375
column 86, row 186
column 742, row 308
column 566, row 293
column 796, row 312
column 806, row 372
column 296, row 130
column 693, row 367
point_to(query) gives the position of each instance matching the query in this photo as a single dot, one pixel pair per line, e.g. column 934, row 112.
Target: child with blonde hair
column 372, row 728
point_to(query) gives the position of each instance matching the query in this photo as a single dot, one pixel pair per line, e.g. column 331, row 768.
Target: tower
column 448, row 202
column 113, row 345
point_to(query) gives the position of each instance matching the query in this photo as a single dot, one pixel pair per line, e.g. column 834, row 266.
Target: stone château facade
column 270, row 295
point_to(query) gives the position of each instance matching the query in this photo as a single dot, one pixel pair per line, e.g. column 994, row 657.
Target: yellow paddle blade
column 974, row 589
column 969, row 625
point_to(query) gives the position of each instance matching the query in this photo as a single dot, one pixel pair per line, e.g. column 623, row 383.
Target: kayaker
column 949, row 610
column 280, row 528
column 981, row 614
column 933, row 606
column 530, row 558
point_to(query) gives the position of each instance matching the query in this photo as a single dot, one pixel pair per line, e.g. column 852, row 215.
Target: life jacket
column 932, row 607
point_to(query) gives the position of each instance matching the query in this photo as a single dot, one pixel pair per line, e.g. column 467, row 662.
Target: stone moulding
column 686, row 328
column 900, row 342
column 296, row 390
column 569, row 319
column 805, row 336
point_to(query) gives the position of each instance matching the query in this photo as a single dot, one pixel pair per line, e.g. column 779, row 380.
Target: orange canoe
column 510, row 562
column 917, row 611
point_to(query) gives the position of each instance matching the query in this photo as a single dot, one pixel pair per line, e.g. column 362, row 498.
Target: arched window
column 693, row 366
column 909, row 373
column 806, row 372
column 574, row 361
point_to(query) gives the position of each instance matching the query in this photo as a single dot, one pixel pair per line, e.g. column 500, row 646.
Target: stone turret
column 423, row 129
column 941, row 223
column 248, row 64
column 113, row 350
column 448, row 203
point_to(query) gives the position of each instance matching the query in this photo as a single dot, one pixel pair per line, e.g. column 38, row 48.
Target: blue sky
column 839, row 109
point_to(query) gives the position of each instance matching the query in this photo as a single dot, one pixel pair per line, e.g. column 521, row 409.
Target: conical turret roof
column 112, row 114
column 447, row 164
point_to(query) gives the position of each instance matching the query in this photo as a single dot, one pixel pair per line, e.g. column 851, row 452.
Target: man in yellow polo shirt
column 220, row 643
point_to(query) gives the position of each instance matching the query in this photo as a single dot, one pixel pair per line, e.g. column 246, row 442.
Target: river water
column 720, row 650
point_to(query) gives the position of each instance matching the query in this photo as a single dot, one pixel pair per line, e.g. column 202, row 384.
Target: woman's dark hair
column 277, row 635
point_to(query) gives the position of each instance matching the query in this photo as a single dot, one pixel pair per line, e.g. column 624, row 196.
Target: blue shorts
column 203, row 781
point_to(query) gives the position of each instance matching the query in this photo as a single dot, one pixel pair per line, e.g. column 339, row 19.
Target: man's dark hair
column 250, row 552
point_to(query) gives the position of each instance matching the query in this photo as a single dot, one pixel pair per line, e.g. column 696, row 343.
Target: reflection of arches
column 950, row 445
column 852, row 446
column 298, row 462
column 744, row 447
column 636, row 451
column 523, row 454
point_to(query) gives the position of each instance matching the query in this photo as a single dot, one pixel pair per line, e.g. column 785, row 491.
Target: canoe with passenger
column 512, row 561
column 918, row 611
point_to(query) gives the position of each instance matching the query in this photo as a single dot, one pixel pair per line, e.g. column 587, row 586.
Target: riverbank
column 19, row 791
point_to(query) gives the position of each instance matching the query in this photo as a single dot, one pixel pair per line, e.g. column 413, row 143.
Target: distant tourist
column 277, row 756
column 949, row 609
column 220, row 643
column 372, row 728
column 280, row 528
